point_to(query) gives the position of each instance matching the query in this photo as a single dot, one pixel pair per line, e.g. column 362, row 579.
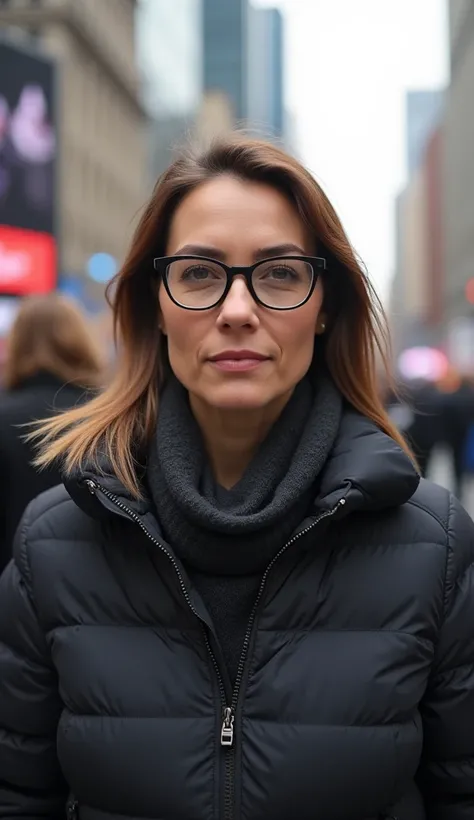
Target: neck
column 232, row 437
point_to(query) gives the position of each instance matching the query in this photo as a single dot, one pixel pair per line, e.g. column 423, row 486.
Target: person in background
column 457, row 402
column 51, row 360
column 425, row 429
column 244, row 603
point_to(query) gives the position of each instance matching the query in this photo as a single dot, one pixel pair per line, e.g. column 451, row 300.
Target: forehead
column 227, row 209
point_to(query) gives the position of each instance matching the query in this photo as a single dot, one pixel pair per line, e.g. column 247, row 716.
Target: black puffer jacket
column 355, row 698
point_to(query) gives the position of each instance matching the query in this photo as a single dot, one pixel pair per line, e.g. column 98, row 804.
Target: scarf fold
column 239, row 531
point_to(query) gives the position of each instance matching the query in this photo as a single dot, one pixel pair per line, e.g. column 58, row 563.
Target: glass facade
column 169, row 42
column 266, row 71
column 225, row 52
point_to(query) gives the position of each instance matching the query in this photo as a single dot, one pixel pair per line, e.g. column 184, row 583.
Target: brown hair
column 122, row 419
column 50, row 334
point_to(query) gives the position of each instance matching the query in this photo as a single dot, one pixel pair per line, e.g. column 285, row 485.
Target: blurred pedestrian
column 457, row 395
column 244, row 604
column 51, row 360
column 425, row 430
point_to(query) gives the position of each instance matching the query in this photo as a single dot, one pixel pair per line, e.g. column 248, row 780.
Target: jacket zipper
column 72, row 809
column 228, row 711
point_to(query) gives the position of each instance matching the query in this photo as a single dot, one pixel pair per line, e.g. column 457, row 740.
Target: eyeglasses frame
column 161, row 264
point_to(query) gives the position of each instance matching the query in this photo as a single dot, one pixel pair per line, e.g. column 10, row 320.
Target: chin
column 238, row 397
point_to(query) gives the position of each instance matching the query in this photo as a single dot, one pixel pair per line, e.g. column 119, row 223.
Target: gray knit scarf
column 238, row 532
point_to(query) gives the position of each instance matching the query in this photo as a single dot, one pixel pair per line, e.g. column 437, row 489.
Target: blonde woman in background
column 52, row 360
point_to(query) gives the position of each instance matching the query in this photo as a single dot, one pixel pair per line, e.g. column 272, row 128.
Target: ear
column 321, row 325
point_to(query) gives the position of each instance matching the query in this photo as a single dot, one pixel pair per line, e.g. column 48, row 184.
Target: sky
column 348, row 66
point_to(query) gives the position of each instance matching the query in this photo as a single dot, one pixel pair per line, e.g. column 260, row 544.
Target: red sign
column 27, row 261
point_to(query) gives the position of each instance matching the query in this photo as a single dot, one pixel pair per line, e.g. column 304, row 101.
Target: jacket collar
column 372, row 468
column 366, row 467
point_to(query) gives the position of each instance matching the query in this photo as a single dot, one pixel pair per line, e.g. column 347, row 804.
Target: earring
column 323, row 326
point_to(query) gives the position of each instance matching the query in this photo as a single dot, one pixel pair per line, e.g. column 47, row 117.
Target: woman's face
column 239, row 223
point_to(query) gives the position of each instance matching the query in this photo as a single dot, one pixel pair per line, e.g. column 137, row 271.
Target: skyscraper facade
column 169, row 45
column 266, row 71
column 226, row 54
column 458, row 165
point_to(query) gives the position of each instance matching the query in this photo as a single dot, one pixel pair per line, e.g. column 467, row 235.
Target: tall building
column 458, row 164
column 226, row 54
column 416, row 304
column 169, row 44
column 100, row 119
column 423, row 112
column 461, row 13
column 266, row 72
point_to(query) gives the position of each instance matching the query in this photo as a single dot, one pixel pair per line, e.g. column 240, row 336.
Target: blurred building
column 100, row 119
column 416, row 302
column 28, row 171
column 243, row 70
column 458, row 162
column 423, row 111
column 460, row 13
column 266, row 72
column 226, row 53
column 169, row 45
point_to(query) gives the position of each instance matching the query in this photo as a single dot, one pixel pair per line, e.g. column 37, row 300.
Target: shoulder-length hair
column 120, row 421
column 51, row 335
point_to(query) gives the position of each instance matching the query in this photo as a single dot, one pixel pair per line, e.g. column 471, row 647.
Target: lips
column 237, row 361
column 238, row 355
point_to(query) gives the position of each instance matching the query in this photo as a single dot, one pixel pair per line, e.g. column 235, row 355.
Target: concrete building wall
column 414, row 252
column 101, row 124
column 458, row 169
column 460, row 14
column 434, row 308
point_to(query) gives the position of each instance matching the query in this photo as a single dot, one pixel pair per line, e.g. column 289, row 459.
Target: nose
column 239, row 308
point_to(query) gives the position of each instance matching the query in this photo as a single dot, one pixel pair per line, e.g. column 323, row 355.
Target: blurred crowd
column 438, row 413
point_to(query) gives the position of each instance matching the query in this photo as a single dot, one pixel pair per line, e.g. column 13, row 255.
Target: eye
column 282, row 272
column 198, row 273
column 279, row 272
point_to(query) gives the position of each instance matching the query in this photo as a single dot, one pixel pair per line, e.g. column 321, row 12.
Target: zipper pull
column 227, row 733
column 91, row 486
column 72, row 808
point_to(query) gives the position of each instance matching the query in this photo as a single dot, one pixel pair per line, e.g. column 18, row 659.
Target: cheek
column 296, row 334
column 184, row 332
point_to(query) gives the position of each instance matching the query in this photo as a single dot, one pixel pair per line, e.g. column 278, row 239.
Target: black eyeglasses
column 199, row 283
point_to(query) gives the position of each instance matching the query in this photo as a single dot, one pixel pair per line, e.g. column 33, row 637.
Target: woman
column 243, row 605
column 50, row 361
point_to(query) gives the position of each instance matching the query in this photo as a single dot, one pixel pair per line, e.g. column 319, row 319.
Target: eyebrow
column 260, row 253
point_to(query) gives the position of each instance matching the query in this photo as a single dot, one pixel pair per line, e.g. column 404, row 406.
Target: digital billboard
column 28, row 160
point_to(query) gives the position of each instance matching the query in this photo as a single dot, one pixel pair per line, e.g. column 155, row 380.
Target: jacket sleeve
column 446, row 774
column 31, row 784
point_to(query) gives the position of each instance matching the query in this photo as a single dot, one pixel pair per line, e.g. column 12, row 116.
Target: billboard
column 28, row 161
